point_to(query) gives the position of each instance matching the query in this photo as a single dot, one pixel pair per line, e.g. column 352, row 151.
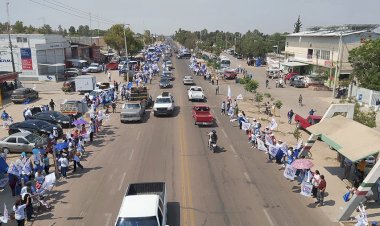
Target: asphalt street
column 236, row 186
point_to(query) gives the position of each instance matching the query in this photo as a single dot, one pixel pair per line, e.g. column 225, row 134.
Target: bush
column 244, row 80
column 365, row 118
column 251, row 86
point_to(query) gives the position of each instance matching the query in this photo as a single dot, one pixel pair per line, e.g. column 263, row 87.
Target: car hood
column 130, row 111
column 162, row 105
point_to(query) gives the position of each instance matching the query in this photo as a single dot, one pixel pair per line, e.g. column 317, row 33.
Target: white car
column 188, row 80
column 121, row 65
column 196, row 93
column 164, row 104
column 95, row 67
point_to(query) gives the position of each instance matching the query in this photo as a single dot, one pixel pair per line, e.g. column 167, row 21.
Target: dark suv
column 20, row 95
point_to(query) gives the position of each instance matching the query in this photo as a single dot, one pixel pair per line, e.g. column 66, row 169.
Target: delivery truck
column 85, row 83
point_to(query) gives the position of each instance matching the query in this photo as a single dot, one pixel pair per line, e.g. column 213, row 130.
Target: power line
column 70, row 13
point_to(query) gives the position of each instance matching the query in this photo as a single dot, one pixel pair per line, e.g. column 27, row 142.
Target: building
column 325, row 50
column 37, row 57
column 87, row 48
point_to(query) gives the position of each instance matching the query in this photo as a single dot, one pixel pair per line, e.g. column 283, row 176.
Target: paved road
column 233, row 187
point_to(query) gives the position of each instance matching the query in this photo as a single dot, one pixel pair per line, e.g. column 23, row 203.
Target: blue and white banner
column 261, row 145
column 273, row 150
column 290, row 172
column 306, row 189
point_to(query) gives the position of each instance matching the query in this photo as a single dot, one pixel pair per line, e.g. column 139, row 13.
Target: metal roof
column 328, row 31
column 353, row 140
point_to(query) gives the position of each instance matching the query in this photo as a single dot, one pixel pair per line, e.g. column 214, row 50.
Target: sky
column 167, row 16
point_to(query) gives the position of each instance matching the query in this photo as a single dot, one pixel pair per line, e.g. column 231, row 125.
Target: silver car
column 132, row 111
column 21, row 142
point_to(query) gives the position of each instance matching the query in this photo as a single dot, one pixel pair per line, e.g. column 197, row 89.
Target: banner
column 26, row 59
column 49, row 181
column 3, row 165
column 306, row 189
column 273, row 124
column 268, row 140
column 273, row 150
column 290, row 172
column 245, row 126
column 27, row 169
column 4, row 219
column 229, row 93
column 261, row 145
column 14, row 170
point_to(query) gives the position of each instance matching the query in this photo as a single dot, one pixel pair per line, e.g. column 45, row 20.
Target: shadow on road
column 174, row 214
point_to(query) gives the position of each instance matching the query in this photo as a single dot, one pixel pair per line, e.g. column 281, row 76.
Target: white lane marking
column 268, row 217
column 224, row 132
column 233, row 150
column 138, row 135
column 131, row 155
column 247, row 177
column 108, row 218
column 122, row 181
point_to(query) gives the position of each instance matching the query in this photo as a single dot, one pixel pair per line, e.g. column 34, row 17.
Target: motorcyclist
column 213, row 138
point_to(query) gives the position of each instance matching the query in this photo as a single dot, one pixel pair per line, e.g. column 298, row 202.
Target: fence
column 365, row 96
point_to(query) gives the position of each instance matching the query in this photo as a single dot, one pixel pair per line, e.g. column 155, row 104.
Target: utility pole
column 9, row 37
column 126, row 50
column 338, row 65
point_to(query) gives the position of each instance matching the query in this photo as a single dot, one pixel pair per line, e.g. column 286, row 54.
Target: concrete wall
column 365, row 96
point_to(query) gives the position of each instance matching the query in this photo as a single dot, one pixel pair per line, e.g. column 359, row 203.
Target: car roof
column 315, row 116
column 20, row 134
column 139, row 206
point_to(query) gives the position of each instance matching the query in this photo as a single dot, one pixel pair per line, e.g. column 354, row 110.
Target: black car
column 54, row 117
column 36, row 126
column 165, row 82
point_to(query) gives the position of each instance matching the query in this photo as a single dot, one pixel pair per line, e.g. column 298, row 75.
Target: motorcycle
column 213, row 147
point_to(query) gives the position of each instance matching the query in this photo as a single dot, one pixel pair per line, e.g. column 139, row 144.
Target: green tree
column 46, row 29
column 251, row 86
column 18, row 27
column 60, row 30
column 115, row 39
column 297, row 25
column 297, row 134
column 84, row 30
column 366, row 64
column 365, row 118
column 258, row 98
column 30, row 30
column 72, row 30
column 278, row 105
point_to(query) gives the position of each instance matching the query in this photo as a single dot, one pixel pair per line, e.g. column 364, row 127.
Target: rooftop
column 139, row 206
column 336, row 30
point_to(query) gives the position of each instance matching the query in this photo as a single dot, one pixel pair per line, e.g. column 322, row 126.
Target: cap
column 23, row 154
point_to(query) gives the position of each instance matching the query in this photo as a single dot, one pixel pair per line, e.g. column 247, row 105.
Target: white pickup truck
column 196, row 93
column 144, row 204
column 164, row 104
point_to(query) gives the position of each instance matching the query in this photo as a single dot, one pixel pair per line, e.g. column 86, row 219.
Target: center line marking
column 138, row 135
column 122, row 181
column 268, row 217
column 131, row 155
column 233, row 150
column 247, row 177
column 224, row 132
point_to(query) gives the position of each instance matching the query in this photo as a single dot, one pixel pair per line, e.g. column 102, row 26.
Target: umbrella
column 61, row 146
column 80, row 122
column 302, row 164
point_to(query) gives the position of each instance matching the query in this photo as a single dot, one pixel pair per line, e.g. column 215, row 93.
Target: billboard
column 26, row 59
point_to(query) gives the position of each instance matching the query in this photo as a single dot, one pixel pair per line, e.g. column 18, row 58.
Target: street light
column 126, row 49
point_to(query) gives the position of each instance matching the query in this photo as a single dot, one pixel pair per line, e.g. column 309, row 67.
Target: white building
column 326, row 49
column 36, row 56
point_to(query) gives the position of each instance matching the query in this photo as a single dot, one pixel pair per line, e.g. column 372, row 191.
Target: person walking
column 300, row 100
column 290, row 116
column 321, row 190
column 267, row 83
column 223, row 112
column 19, row 210
column 51, row 105
column 5, row 117
column 46, row 163
column 109, row 76
column 217, row 90
column 92, row 131
column 64, row 162
column 315, row 182
column 77, row 161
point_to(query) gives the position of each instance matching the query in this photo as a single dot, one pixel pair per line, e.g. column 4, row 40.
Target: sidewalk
column 324, row 159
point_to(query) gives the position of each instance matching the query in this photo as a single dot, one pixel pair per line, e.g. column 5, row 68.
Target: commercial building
column 325, row 50
column 37, row 57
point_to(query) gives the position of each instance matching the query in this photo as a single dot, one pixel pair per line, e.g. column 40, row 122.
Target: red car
column 230, row 74
column 290, row 75
column 303, row 123
column 112, row 65
column 202, row 116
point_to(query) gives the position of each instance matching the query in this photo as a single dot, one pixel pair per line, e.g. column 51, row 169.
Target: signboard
column 290, row 172
column 26, row 59
column 328, row 63
column 306, row 189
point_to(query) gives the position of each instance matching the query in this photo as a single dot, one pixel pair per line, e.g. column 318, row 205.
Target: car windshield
column 163, row 100
column 197, row 89
column 164, row 80
column 137, row 221
column 94, row 93
column 94, row 64
column 19, row 91
column 131, row 106
column 32, row 138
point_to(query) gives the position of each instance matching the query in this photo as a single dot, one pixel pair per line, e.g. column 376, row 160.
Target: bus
column 224, row 62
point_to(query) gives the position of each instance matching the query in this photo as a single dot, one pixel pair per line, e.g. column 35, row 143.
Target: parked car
column 295, row 79
column 72, row 72
column 113, row 65
column 122, row 64
column 188, row 80
column 230, row 74
column 165, row 82
column 54, row 117
column 22, row 142
column 202, row 116
column 39, row 127
column 20, row 95
column 303, row 123
column 299, row 83
column 290, row 75
column 132, row 111
column 95, row 67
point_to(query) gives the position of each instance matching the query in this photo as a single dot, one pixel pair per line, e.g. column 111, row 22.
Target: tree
column 18, row 27
column 365, row 118
column 259, row 98
column 60, row 30
column 297, row 25
column 366, row 64
column 251, row 86
column 115, row 38
column 278, row 105
column 72, row 30
column 84, row 30
column 46, row 29
column 30, row 29
column 297, row 134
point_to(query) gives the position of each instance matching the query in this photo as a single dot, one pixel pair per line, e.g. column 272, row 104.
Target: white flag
column 298, row 145
column 229, row 94
column 27, row 169
column 273, row 150
column 239, row 97
column 14, row 170
column 261, row 145
column 245, row 126
column 4, row 219
column 268, row 139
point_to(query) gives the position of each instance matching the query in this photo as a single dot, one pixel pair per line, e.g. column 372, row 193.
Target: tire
column 6, row 150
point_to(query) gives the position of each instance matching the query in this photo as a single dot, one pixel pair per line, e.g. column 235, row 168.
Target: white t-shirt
column 64, row 162
column 19, row 212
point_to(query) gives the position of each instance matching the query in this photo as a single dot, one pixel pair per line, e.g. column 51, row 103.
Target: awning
column 293, row 64
column 8, row 76
column 353, row 140
column 53, row 65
